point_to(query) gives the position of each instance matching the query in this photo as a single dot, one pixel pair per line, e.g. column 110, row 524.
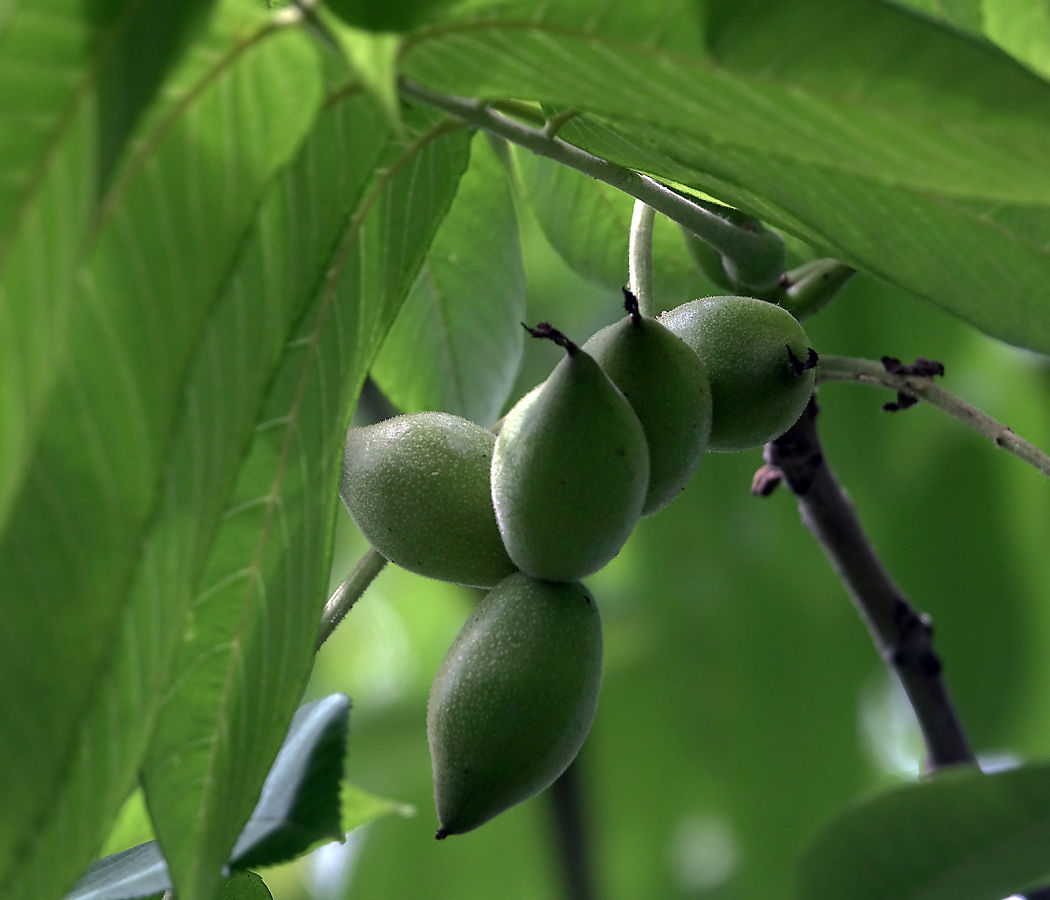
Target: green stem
column 519, row 110
column 753, row 253
column 867, row 371
column 553, row 126
column 640, row 257
column 347, row 594
column 811, row 287
column 708, row 260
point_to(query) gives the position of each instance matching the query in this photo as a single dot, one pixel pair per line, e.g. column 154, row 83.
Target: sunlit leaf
column 73, row 78
column 373, row 59
column 83, row 626
column 1020, row 27
column 251, row 636
column 132, row 827
column 457, row 342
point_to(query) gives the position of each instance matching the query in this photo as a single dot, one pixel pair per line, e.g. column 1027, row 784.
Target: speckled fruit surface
column 569, row 473
column 756, row 393
column 513, row 699
column 417, row 487
column 666, row 384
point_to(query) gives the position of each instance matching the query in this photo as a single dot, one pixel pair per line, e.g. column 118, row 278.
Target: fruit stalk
column 568, row 809
column 902, row 634
column 754, row 253
column 805, row 291
column 347, row 594
column 640, row 256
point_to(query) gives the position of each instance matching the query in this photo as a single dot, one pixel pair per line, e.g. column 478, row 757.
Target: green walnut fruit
column 570, row 470
column 417, row 487
column 514, row 698
column 759, row 362
column 666, row 384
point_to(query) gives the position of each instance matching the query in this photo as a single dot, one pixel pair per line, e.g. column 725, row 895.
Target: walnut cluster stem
column 902, row 635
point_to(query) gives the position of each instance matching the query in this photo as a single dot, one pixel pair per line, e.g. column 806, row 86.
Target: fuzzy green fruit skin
column 417, row 487
column 666, row 384
column 743, row 344
column 514, row 698
column 569, row 473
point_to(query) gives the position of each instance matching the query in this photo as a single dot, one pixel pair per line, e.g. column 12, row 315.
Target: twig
column 805, row 291
column 640, row 256
column 553, row 126
column 757, row 253
column 570, row 828
column 902, row 635
column 866, row 371
column 347, row 594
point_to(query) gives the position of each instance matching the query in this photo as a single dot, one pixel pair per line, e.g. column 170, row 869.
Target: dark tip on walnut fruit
column 799, row 366
column 548, row 332
column 630, row 303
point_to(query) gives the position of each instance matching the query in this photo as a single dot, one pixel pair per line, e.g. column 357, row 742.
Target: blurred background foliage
column 742, row 703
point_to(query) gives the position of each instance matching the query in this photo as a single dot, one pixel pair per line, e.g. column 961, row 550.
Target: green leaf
column 959, row 836
column 140, row 872
column 150, row 37
column 250, row 640
column 360, row 806
column 132, row 826
column 986, row 265
column 1020, row 27
column 136, row 872
column 965, row 14
column 457, row 342
column 299, row 805
column 243, row 886
column 98, row 555
column 300, row 800
column 74, row 77
column 588, row 223
column 898, row 145
column 390, row 15
column 373, row 59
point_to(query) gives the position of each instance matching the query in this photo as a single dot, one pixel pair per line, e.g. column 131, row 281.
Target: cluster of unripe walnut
column 615, row 433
